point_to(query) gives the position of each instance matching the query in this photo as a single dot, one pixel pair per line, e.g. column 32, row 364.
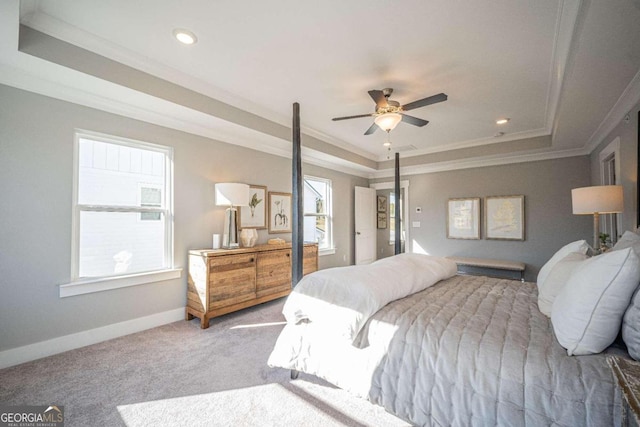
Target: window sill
column 329, row 251
column 88, row 286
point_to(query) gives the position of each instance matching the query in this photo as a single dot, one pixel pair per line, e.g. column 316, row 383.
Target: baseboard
column 27, row 353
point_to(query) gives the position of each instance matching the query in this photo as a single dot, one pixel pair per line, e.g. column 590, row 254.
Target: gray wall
column 628, row 134
column 546, row 186
column 36, row 154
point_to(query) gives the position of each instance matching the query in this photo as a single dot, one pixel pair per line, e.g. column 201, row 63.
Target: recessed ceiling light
column 184, row 36
column 502, row 121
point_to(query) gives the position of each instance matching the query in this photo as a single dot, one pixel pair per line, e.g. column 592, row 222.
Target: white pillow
column 628, row 240
column 631, row 326
column 587, row 313
column 556, row 280
column 581, row 246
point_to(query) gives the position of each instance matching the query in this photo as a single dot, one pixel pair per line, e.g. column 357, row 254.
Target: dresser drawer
column 273, row 272
column 223, row 263
column 232, row 279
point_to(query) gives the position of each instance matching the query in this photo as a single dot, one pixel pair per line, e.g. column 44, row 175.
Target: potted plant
column 604, row 242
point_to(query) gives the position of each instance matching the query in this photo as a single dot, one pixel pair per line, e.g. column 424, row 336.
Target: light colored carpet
column 180, row 375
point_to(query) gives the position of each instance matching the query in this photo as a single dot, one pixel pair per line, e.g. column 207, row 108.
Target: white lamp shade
column 597, row 199
column 388, row 121
column 232, row 194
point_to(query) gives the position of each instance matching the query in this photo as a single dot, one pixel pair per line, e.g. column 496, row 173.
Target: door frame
column 404, row 185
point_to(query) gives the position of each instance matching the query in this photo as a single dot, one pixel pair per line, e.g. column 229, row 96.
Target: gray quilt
column 471, row 350
column 474, row 350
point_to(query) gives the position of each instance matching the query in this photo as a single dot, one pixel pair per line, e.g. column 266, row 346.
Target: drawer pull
column 251, row 260
column 288, row 255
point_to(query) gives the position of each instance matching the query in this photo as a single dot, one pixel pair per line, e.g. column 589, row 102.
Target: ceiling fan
column 389, row 113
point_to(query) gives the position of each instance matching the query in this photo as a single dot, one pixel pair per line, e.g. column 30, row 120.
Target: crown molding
column 570, row 14
column 472, row 143
column 172, row 116
column 480, row 162
column 629, row 98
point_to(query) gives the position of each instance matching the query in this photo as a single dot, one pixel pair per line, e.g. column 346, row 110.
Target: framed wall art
column 463, row 218
column 279, row 212
column 382, row 220
column 255, row 215
column 504, row 217
column 382, row 203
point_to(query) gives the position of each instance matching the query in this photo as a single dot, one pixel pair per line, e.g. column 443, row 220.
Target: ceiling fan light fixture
column 185, row 36
column 388, row 121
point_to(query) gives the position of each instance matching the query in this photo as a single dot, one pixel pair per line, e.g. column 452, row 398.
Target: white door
column 365, row 222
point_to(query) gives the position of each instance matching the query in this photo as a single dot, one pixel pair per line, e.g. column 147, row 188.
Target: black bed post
column 398, row 246
column 638, row 175
column 297, row 226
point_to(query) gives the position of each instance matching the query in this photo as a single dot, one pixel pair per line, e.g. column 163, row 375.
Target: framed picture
column 382, row 220
column 382, row 204
column 463, row 218
column 255, row 215
column 279, row 212
column 504, row 217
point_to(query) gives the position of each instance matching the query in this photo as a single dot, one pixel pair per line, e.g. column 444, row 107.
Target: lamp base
column 596, row 232
column 230, row 234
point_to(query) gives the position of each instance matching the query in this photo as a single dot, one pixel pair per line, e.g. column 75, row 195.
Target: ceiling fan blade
column 335, row 119
column 371, row 129
column 379, row 98
column 424, row 102
column 414, row 120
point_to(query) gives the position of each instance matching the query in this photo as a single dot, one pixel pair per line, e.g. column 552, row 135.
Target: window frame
column 403, row 233
column 610, row 223
column 328, row 215
column 82, row 285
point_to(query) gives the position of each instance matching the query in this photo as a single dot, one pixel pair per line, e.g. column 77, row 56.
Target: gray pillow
column 631, row 326
column 628, row 240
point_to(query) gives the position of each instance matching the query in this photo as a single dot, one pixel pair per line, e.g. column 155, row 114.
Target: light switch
column 415, row 224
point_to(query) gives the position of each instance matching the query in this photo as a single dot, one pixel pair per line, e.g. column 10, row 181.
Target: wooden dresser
column 225, row 280
column 627, row 374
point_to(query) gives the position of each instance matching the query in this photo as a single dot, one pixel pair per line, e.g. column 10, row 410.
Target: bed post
column 297, row 208
column 398, row 246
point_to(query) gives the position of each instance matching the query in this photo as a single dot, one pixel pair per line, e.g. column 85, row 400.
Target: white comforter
column 470, row 350
column 341, row 300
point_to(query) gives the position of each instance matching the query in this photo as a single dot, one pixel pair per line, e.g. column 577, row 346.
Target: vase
column 249, row 237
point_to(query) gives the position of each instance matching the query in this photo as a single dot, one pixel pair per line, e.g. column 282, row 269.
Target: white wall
column 36, row 154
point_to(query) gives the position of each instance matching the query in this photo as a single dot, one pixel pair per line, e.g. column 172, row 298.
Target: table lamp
column 596, row 200
column 231, row 195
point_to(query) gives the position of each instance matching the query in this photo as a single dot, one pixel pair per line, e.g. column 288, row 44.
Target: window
column 610, row 172
column 123, row 218
column 318, row 221
column 392, row 218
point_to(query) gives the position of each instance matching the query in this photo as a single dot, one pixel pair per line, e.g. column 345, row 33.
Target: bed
column 444, row 349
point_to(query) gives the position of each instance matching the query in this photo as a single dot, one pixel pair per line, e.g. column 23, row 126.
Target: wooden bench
column 495, row 264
